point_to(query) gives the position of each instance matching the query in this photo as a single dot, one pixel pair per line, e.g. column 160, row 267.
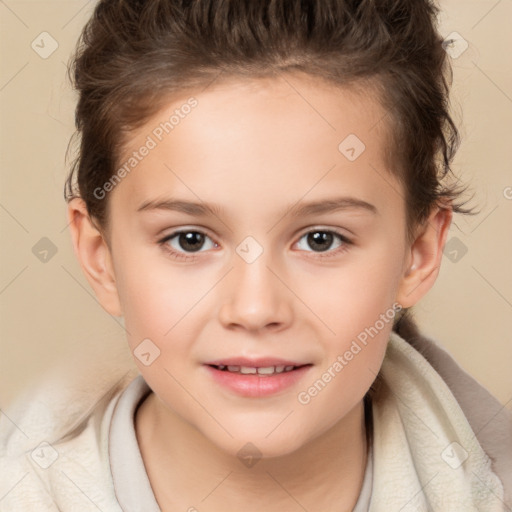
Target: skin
column 255, row 148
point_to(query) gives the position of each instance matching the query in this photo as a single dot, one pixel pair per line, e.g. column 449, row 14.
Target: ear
column 94, row 256
column 424, row 257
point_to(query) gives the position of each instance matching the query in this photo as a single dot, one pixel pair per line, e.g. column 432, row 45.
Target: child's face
column 258, row 286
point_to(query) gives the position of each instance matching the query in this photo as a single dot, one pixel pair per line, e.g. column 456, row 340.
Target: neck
column 186, row 469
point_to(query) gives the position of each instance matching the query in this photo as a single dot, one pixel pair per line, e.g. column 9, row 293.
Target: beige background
column 50, row 319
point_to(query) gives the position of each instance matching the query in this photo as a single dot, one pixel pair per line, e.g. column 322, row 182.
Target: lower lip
column 254, row 385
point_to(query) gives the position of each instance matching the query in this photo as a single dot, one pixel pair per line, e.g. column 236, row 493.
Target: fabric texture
column 427, row 457
column 131, row 483
column 435, row 447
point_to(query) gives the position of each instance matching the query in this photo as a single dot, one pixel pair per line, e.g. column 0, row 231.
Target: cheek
column 153, row 298
column 356, row 305
column 343, row 380
column 352, row 297
column 167, row 305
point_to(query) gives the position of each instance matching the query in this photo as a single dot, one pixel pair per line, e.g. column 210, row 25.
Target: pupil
column 316, row 239
column 192, row 241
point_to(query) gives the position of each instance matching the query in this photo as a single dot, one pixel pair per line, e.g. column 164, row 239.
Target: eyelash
column 346, row 242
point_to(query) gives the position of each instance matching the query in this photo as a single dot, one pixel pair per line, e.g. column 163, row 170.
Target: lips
column 254, row 380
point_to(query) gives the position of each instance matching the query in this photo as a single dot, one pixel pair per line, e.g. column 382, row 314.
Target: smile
column 256, row 381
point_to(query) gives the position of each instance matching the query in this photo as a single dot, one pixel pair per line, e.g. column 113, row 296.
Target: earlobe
column 425, row 255
column 94, row 256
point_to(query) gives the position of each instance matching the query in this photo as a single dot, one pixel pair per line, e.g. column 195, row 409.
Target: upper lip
column 258, row 362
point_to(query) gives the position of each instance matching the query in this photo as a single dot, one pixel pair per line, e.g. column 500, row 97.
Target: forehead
column 266, row 138
column 265, row 105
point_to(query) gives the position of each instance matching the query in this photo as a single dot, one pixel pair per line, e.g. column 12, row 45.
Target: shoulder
column 50, row 470
column 490, row 420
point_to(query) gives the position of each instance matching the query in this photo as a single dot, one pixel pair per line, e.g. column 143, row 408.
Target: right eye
column 180, row 243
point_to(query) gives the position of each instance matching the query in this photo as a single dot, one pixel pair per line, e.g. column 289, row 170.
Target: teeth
column 266, row 371
column 248, row 370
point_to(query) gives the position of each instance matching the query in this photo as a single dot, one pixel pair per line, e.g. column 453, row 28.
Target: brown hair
column 134, row 55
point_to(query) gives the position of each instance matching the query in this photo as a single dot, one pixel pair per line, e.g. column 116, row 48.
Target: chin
column 252, row 445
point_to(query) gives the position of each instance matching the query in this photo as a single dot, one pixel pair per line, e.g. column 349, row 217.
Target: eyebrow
column 299, row 210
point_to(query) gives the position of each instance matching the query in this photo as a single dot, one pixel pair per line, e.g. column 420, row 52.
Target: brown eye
column 190, row 241
column 181, row 244
column 321, row 241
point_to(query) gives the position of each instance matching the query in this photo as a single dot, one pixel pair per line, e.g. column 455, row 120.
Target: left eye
column 322, row 240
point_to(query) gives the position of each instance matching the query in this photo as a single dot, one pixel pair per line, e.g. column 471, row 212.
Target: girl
column 261, row 194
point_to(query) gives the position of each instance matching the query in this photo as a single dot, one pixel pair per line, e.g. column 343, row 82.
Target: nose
column 255, row 296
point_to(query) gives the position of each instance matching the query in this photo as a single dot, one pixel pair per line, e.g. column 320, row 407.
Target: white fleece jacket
column 442, row 443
